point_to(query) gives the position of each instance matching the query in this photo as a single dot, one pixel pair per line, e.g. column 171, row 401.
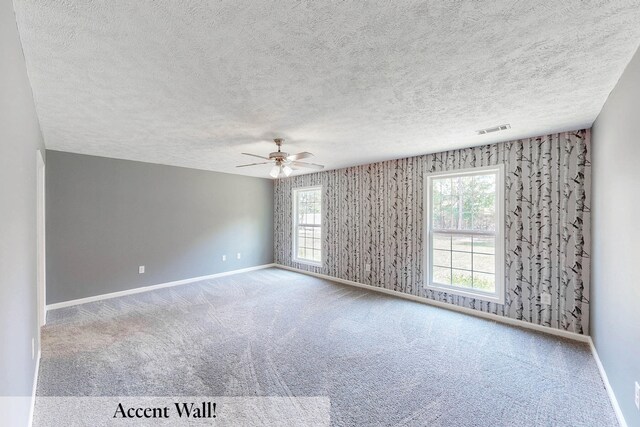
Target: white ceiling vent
column 494, row 129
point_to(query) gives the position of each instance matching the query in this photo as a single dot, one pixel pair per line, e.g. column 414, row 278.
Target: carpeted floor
column 381, row 360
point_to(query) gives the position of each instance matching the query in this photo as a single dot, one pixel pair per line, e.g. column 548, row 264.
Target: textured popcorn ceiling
column 195, row 83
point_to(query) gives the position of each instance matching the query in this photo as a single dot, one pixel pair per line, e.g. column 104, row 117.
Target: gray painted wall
column 20, row 137
column 105, row 217
column 615, row 299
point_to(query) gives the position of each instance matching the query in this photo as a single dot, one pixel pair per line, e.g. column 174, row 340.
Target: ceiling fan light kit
column 283, row 163
column 280, row 171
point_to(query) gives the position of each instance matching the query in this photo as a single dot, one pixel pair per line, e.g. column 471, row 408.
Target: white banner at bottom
column 116, row 411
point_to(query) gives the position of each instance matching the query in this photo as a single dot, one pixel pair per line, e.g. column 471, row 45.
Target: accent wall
column 373, row 215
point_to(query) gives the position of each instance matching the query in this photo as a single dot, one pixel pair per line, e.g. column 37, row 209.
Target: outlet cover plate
column 637, row 395
column 545, row 299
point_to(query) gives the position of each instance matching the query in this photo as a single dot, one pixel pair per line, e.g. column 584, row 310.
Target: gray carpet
column 380, row 360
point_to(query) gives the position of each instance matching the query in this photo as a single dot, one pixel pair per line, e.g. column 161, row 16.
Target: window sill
column 307, row 262
column 495, row 298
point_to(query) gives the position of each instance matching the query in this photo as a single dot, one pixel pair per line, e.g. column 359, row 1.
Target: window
column 464, row 233
column 307, row 225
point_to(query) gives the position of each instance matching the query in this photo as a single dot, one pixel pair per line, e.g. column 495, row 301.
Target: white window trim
column 499, row 296
column 294, row 240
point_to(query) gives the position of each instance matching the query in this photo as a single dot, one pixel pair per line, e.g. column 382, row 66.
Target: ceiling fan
column 284, row 163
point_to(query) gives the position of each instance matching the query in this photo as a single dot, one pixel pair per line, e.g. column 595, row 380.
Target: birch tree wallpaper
column 373, row 215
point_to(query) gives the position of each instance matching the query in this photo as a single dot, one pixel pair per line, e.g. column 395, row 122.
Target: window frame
column 294, row 253
column 498, row 296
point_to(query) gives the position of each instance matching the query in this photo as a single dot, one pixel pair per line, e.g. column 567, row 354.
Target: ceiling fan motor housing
column 278, row 155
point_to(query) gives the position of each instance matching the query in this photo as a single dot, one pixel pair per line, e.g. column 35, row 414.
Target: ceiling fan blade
column 253, row 164
column 306, row 165
column 299, row 156
column 255, row 155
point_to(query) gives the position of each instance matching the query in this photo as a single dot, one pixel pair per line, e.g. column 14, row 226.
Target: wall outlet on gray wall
column 141, row 269
column 239, row 255
column 224, row 257
column 637, row 395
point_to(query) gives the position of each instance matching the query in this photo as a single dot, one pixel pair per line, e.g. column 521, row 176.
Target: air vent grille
column 494, row 129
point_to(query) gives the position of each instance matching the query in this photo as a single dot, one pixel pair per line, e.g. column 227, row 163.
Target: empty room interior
column 338, row 213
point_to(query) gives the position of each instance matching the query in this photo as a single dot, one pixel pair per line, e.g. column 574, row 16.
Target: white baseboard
column 33, row 389
column 154, row 287
column 465, row 310
column 607, row 385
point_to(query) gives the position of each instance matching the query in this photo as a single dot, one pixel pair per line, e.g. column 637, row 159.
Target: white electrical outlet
column 367, row 267
column 224, row 257
column 33, row 352
column 637, row 395
column 141, row 269
column 545, row 299
column 238, row 255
